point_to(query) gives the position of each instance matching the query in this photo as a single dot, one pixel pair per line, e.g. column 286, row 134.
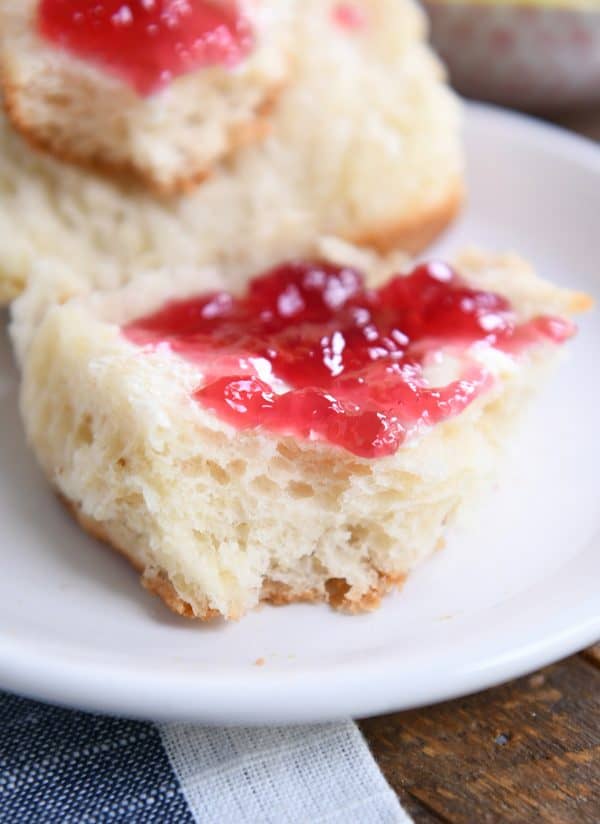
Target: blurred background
column 540, row 56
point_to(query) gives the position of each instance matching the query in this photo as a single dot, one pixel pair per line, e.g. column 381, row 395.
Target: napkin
column 69, row 767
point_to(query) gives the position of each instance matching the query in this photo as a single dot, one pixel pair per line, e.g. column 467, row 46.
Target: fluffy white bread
column 218, row 520
column 364, row 144
column 79, row 112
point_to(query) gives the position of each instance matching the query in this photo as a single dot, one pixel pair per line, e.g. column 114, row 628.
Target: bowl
column 531, row 55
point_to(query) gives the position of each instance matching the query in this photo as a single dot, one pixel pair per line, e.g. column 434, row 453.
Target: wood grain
column 592, row 655
column 525, row 752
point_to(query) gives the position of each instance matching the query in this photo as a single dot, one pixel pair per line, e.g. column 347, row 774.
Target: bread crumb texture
column 218, row 520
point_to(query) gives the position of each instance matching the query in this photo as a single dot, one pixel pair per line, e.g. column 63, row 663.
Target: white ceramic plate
column 520, row 589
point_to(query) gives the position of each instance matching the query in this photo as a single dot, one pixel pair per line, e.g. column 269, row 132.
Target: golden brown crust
column 414, row 233
column 340, row 595
column 10, row 102
column 155, row 582
column 337, row 592
column 10, row 288
column 278, row 594
column 580, row 303
column 127, row 172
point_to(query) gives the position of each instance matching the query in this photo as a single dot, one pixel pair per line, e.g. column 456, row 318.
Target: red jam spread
column 148, row 42
column 349, row 16
column 309, row 351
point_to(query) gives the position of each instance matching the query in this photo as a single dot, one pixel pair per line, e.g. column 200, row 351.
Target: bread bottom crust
column 253, row 131
column 338, row 592
column 413, row 233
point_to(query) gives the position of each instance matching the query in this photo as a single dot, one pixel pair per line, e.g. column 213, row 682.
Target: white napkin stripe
column 283, row 775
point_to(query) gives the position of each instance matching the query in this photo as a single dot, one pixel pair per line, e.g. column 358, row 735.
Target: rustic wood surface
column 525, row 752
column 528, row 751
column 586, row 123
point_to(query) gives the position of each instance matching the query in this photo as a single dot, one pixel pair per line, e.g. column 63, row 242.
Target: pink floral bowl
column 536, row 56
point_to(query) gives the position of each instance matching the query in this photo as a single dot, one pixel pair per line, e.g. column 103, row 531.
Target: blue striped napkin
column 69, row 767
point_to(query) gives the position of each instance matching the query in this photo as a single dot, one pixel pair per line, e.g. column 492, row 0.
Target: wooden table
column 525, row 752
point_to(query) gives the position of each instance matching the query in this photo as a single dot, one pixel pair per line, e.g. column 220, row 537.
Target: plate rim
column 311, row 696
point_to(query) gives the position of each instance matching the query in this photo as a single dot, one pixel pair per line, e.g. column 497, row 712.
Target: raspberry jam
column 309, row 351
column 349, row 16
column 148, row 42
